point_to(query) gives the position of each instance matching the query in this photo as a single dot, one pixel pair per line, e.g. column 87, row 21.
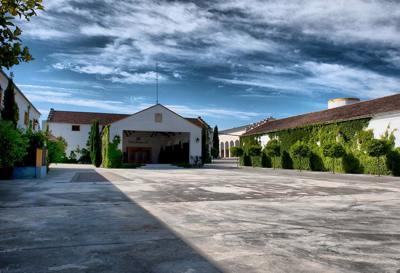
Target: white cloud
column 321, row 78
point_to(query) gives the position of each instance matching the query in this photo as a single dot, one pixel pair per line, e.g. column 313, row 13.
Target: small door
column 140, row 155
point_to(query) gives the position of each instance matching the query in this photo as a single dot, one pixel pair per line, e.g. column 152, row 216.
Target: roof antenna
column 156, row 82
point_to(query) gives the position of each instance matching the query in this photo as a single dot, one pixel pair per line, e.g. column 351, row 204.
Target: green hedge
column 352, row 135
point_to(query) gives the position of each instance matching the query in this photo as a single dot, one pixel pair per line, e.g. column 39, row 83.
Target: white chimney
column 333, row 103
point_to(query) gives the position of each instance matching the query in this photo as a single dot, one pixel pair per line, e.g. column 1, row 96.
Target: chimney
column 338, row 102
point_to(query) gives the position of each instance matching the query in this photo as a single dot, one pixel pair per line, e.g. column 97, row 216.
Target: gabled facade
column 144, row 135
column 27, row 112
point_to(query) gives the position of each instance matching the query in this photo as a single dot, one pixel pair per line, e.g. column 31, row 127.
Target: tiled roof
column 73, row 117
column 83, row 117
column 199, row 122
column 365, row 109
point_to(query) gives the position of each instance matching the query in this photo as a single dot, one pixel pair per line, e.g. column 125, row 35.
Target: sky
column 233, row 62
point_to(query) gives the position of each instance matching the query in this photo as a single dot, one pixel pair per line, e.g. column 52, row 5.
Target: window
column 158, row 117
column 76, row 128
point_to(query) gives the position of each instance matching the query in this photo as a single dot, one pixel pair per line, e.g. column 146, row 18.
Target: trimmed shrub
column 255, row 150
column 265, row 161
column 286, row 160
column 301, row 151
column 237, row 152
column 351, row 164
column 316, row 162
column 333, row 151
column 273, row 150
column 393, row 162
column 256, row 161
column 245, row 160
column 377, row 148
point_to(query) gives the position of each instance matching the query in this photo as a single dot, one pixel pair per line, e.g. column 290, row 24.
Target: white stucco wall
column 23, row 105
column 228, row 140
column 171, row 122
column 74, row 139
column 386, row 122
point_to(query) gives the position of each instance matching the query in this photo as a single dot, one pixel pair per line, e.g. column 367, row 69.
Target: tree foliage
column 12, row 52
column 273, row 149
column 215, row 143
column 237, row 152
column 56, row 150
column 112, row 156
column 10, row 107
column 13, row 146
column 378, row 148
column 255, row 150
column 205, row 152
column 300, row 150
column 334, row 151
column 95, row 144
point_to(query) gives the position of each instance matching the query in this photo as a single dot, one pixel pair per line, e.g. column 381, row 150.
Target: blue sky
column 232, row 62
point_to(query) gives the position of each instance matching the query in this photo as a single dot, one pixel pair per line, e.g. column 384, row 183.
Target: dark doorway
column 141, row 155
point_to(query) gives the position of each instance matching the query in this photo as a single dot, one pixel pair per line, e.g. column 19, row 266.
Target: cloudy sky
column 231, row 61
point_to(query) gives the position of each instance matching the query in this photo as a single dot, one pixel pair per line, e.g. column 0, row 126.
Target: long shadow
column 87, row 225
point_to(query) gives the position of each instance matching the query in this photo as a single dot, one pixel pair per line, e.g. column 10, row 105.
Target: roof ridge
column 336, row 110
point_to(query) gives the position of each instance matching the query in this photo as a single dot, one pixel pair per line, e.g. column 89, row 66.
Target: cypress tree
column 95, row 153
column 215, row 146
column 10, row 108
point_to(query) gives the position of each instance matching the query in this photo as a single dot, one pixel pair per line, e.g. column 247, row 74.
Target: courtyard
column 215, row 219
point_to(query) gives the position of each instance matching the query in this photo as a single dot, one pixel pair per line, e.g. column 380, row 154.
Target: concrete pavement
column 199, row 220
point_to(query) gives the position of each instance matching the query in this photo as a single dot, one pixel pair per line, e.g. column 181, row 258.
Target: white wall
column 380, row 124
column 229, row 140
column 74, row 139
column 171, row 122
column 23, row 105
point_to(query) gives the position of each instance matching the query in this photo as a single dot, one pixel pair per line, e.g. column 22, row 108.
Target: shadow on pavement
column 87, row 227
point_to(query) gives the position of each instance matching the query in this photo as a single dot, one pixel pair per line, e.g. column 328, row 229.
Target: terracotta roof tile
column 83, row 117
column 73, row 117
column 365, row 109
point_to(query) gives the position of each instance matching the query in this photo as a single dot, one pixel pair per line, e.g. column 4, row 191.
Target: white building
column 27, row 112
column 230, row 138
column 384, row 115
column 143, row 134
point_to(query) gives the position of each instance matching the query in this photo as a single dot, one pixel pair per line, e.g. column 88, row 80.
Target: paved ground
column 199, row 220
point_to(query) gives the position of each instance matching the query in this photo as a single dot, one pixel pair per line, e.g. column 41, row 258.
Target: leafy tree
column 254, row 150
column 300, row 150
column 56, row 150
column 378, row 148
column 36, row 140
column 10, row 107
column 11, row 51
column 95, row 144
column 273, row 149
column 12, row 147
column 237, row 152
column 205, row 153
column 215, row 146
column 334, row 151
